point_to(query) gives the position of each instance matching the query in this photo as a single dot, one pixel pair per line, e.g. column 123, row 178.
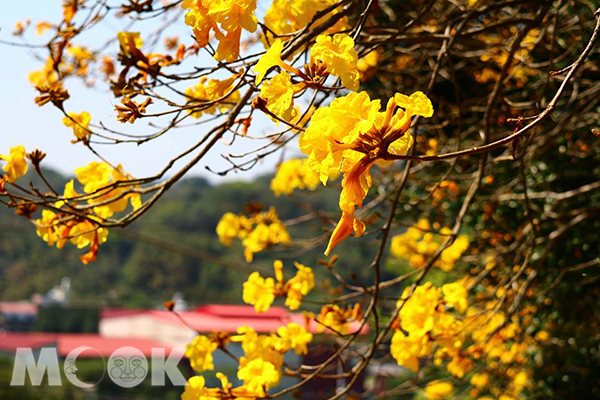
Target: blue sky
column 32, row 126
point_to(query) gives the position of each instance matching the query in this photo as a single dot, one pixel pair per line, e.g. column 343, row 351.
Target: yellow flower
column 352, row 134
column 272, row 58
column 339, row 57
column 79, row 123
column 259, row 292
column 299, row 286
column 205, row 16
column 418, row 316
column 417, row 245
column 294, row 174
column 45, row 76
column 338, row 319
column 257, row 232
column 46, row 227
column 437, row 390
column 279, row 95
column 295, row 337
column 455, row 295
column 96, row 179
column 259, row 375
column 232, row 226
column 94, row 176
column 287, row 16
column 16, row 165
column 406, row 350
column 212, row 91
column 199, row 352
column 480, row 380
column 195, row 389
column 129, row 42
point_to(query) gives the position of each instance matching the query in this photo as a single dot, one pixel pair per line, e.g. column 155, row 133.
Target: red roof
column 18, row 307
column 226, row 318
column 67, row 342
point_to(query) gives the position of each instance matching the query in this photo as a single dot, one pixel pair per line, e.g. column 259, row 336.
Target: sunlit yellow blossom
column 272, row 58
column 279, row 95
column 129, row 41
column 259, row 292
column 455, row 295
column 258, row 232
column 225, row 18
column 406, row 350
column 232, row 226
column 339, row 57
column 352, row 135
column 418, row 315
column 417, row 245
column 195, row 389
column 300, row 285
column 287, row 16
column 79, row 123
column 199, row 352
column 45, row 76
column 16, row 164
column 437, row 390
column 296, row 337
column 259, row 375
column 480, row 380
column 294, row 174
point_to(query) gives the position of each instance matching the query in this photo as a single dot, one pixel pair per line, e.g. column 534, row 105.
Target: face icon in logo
column 127, row 367
column 70, row 366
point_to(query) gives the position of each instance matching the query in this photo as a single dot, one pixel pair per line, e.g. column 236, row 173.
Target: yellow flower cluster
column 106, row 188
column 213, row 91
column 424, row 320
column 418, row 244
column 351, row 135
column 256, row 232
column 261, row 292
column 225, row 18
column 200, row 353
column 438, row 390
column 333, row 55
column 288, row 16
column 260, row 368
column 293, row 174
column 58, row 229
column 16, row 164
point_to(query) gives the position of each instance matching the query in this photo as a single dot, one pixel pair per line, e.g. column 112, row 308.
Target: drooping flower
column 352, row 135
column 79, row 123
